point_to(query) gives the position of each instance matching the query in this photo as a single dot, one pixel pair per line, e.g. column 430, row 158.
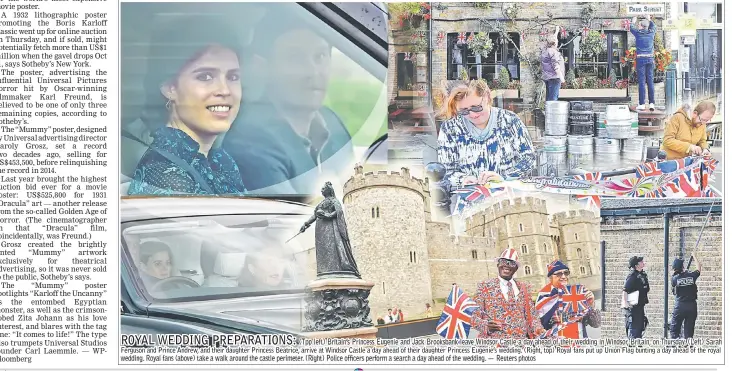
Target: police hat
column 634, row 261
column 678, row 264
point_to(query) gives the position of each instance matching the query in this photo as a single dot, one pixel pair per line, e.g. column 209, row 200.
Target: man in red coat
column 505, row 309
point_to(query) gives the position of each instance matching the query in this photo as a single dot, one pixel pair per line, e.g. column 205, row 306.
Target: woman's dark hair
column 173, row 45
column 150, row 248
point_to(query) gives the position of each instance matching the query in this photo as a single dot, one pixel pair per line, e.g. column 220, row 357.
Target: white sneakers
column 642, row 107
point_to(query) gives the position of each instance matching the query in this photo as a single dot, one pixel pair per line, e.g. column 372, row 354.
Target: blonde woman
column 478, row 139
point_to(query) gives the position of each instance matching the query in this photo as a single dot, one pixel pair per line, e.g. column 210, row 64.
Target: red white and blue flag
column 562, row 309
column 455, row 320
column 593, row 201
column 474, row 194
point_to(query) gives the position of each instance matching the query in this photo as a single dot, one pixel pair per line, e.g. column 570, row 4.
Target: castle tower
column 521, row 224
column 580, row 245
column 386, row 212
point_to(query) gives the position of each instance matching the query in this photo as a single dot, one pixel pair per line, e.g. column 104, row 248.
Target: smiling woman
column 192, row 88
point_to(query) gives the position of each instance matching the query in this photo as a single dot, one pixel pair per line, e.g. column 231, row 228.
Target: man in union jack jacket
column 505, row 309
column 566, row 310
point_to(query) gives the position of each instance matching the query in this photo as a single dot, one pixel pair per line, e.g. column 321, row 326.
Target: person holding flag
column 566, row 310
column 505, row 309
column 684, row 287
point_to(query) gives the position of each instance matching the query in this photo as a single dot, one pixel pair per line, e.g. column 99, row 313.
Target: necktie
column 511, row 294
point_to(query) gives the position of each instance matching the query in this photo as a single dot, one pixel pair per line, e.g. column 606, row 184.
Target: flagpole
column 701, row 232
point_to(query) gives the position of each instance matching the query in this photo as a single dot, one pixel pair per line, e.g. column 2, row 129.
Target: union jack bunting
column 473, row 194
column 692, row 182
column 471, row 37
column 625, row 23
column 563, row 32
column 543, row 32
column 461, row 38
column 607, row 23
column 455, row 320
column 440, row 38
column 585, row 31
column 592, row 201
column 407, row 56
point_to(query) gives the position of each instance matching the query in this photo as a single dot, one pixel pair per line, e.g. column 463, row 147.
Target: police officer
column 637, row 280
column 683, row 283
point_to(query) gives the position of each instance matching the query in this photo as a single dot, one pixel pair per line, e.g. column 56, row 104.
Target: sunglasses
column 508, row 263
column 562, row 273
column 476, row 109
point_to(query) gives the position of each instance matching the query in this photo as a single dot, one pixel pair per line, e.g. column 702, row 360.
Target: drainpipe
column 666, row 231
column 682, row 242
column 602, row 274
column 429, row 61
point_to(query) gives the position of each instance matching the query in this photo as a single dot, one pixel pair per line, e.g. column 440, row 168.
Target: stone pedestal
column 338, row 308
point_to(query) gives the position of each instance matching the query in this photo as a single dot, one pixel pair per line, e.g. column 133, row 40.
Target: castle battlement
column 574, row 217
column 513, row 206
column 385, row 178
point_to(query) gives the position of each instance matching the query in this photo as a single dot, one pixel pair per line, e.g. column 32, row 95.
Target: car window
column 214, row 257
column 312, row 101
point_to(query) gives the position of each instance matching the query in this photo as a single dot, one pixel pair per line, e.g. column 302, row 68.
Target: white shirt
column 504, row 288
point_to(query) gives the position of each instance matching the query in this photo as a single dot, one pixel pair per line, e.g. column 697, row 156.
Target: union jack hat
column 509, row 254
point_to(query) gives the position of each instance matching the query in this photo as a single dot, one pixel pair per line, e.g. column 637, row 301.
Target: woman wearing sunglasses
column 478, row 138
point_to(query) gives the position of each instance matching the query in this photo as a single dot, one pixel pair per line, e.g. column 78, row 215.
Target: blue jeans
column 552, row 89
column 645, row 67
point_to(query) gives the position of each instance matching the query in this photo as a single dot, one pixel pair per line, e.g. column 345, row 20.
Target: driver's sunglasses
column 561, row 273
column 508, row 263
column 476, row 109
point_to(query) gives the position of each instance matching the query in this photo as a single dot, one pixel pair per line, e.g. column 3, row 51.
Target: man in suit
column 283, row 141
column 505, row 309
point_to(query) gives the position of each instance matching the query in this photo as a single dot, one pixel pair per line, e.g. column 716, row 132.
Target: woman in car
column 264, row 271
column 478, row 139
column 193, row 94
column 156, row 262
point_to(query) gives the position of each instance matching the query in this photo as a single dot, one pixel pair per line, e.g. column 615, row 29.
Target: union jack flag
column 474, row 194
column 603, row 35
column 543, row 32
column 563, row 32
column 407, row 56
column 471, row 37
column 561, row 307
column 461, row 38
column 455, row 320
column 440, row 38
column 692, row 182
column 594, row 200
column 607, row 23
column 585, row 31
column 625, row 23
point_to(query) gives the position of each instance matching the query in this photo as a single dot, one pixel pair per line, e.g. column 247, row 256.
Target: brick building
column 414, row 260
column 636, row 227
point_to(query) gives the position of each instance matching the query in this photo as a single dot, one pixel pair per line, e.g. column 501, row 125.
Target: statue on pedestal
column 337, row 304
column 333, row 251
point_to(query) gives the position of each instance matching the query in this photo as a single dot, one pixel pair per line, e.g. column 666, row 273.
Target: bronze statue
column 333, row 252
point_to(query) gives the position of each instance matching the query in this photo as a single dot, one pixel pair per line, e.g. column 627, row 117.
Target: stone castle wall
column 390, row 246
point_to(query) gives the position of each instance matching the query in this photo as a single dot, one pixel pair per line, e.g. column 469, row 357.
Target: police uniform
column 683, row 283
column 637, row 281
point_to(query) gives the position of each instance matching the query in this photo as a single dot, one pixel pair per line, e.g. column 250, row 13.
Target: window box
column 507, row 93
column 593, row 93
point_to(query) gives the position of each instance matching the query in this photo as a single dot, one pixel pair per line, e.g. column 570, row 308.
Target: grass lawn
column 354, row 100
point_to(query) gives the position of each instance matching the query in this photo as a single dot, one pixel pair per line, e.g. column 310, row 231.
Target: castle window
column 474, row 253
column 590, row 268
column 383, row 288
column 546, row 248
column 373, row 212
column 582, row 270
column 527, row 270
column 377, row 212
column 579, row 253
column 524, row 249
column 521, row 227
column 485, row 253
column 576, row 237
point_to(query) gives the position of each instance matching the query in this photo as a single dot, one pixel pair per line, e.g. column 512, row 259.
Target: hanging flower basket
column 480, row 43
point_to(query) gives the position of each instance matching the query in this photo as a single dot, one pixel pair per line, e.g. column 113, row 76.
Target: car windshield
column 290, row 62
column 214, row 257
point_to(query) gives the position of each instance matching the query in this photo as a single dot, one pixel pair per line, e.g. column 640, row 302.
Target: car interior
column 140, row 19
column 213, row 256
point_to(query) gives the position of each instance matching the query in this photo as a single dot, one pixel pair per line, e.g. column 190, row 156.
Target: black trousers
column 684, row 314
column 636, row 321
